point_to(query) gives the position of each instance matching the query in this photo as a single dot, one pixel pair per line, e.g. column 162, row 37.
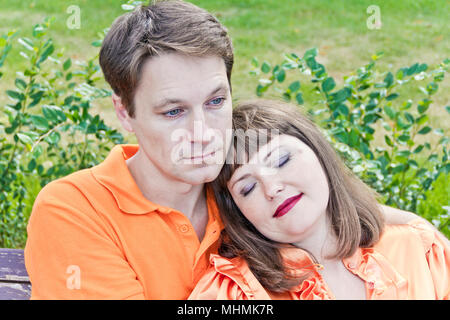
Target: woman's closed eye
column 247, row 189
column 283, row 160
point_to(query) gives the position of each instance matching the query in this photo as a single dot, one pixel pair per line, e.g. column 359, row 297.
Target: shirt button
column 184, row 228
column 352, row 265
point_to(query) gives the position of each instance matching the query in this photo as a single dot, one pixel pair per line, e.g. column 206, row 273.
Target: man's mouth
column 203, row 156
column 287, row 205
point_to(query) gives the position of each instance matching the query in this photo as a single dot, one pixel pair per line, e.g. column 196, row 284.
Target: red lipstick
column 287, row 205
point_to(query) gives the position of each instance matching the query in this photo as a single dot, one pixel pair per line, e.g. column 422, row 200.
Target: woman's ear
column 122, row 113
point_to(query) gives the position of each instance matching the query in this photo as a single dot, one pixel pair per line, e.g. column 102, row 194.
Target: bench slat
column 14, row 281
column 15, row 291
column 12, row 265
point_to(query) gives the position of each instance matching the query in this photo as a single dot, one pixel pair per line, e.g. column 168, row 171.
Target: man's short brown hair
column 161, row 27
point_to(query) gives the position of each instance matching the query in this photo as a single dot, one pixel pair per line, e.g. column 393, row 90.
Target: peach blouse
column 409, row 262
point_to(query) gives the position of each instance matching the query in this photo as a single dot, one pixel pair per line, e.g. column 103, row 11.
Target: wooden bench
column 14, row 281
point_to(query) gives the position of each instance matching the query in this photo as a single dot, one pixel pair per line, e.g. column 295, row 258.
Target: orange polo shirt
column 93, row 235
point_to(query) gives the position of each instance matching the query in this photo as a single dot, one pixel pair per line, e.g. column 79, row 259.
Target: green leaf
column 255, row 62
column 343, row 109
column 24, row 139
column 48, row 51
column 40, row 122
column 392, row 96
column 294, row 86
column 422, row 67
column 27, row 43
column 389, row 80
column 97, row 43
column 328, row 84
column 311, row 53
column 422, row 119
column 281, row 75
column 265, row 67
column 409, row 117
column 20, row 84
column 388, row 141
column 31, row 165
column 38, row 150
column 390, row 112
column 15, row 95
column 423, row 105
column 432, row 87
column 406, row 105
column 404, row 137
column 412, row 69
column 53, row 138
column 418, row 149
column 67, row 64
column 53, row 113
column 299, row 98
column 424, row 130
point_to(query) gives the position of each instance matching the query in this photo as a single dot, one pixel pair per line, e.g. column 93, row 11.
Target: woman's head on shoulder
column 283, row 180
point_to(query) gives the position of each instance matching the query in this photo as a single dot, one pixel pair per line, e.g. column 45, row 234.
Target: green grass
column 412, row 31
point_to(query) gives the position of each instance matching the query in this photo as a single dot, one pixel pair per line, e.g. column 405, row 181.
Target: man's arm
column 398, row 216
column 70, row 254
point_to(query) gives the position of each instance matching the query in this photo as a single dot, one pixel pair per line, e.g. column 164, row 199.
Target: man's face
column 183, row 116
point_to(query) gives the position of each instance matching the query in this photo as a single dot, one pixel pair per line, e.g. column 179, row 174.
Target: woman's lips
column 287, row 205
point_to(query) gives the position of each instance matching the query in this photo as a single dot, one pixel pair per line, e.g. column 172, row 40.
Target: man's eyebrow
column 165, row 102
column 220, row 87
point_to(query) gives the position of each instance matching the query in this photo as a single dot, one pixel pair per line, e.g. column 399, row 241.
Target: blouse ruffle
column 231, row 279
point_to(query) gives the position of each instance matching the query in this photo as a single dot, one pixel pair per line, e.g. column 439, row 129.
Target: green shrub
column 48, row 131
column 403, row 168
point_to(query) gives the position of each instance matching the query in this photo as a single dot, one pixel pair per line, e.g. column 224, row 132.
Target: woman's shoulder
column 419, row 253
column 416, row 234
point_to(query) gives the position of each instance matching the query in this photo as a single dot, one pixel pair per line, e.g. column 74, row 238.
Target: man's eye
column 173, row 113
column 217, row 101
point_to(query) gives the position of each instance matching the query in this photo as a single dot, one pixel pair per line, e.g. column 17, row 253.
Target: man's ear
column 122, row 113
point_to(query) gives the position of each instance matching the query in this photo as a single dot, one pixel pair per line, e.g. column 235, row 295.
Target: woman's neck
column 320, row 241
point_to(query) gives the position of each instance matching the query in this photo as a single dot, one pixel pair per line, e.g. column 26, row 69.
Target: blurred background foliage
column 388, row 117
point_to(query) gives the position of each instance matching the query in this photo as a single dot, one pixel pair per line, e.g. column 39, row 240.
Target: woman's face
column 282, row 190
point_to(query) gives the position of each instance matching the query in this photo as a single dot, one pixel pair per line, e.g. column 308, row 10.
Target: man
column 141, row 224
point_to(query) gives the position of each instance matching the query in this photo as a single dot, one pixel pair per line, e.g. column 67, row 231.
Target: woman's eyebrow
column 240, row 179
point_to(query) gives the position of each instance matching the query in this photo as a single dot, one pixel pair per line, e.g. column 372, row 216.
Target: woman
column 300, row 225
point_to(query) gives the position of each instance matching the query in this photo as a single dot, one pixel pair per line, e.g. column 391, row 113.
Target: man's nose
column 200, row 129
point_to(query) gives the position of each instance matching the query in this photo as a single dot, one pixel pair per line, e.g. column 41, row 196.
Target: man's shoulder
column 78, row 182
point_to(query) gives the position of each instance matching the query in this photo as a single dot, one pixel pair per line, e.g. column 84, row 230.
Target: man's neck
column 157, row 188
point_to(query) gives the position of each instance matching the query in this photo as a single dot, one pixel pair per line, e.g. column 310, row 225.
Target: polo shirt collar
column 114, row 175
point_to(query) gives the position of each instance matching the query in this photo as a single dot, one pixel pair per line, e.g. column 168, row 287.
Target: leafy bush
column 404, row 166
column 48, row 131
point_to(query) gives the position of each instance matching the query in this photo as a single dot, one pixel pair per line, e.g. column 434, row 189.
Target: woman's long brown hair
column 352, row 207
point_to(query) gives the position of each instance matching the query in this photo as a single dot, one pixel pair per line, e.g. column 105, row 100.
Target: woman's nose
column 273, row 189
